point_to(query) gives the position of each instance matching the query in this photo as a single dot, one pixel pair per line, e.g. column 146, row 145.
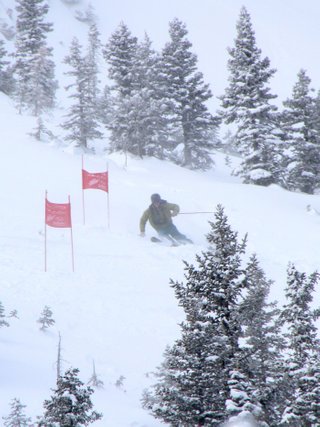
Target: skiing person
column 160, row 214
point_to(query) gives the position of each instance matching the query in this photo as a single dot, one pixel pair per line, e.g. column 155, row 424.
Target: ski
column 173, row 241
column 170, row 239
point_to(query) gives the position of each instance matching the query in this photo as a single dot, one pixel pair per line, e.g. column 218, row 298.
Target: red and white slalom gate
column 57, row 215
column 98, row 181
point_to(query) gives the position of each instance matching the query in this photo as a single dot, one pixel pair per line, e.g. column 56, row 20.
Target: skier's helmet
column 155, row 198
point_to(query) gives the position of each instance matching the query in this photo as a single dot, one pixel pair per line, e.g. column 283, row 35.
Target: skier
column 160, row 214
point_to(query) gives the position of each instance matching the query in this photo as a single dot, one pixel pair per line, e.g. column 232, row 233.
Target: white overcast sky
column 287, row 31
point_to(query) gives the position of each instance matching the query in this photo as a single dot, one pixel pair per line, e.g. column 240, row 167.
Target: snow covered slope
column 117, row 309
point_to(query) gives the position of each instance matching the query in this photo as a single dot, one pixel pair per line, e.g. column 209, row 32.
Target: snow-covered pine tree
column 307, row 397
column 193, row 382
column 17, row 417
column 93, row 58
column 316, row 121
column 105, row 106
column 300, row 123
column 94, row 380
column 46, row 319
column 149, row 127
column 120, row 382
column 3, row 322
column 303, row 366
column 239, row 406
column 120, row 55
column 120, row 52
column 41, row 132
column 263, row 345
column 14, row 313
column 44, row 85
column 6, row 74
column 228, row 144
column 82, row 120
column 188, row 95
column 34, row 69
column 70, row 405
column 246, row 102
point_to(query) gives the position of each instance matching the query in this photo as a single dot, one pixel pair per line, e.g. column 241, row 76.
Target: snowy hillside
column 117, row 309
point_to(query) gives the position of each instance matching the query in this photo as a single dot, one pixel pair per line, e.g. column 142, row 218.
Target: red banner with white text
column 58, row 214
column 95, row 180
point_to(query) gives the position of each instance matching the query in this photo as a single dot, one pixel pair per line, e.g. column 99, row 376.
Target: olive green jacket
column 159, row 217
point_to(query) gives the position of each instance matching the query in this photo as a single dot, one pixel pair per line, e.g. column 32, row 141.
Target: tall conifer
column 7, row 81
column 300, row 122
column 70, row 405
column 82, row 122
column 196, row 379
column 17, row 417
column 263, row 344
column 34, row 68
column 188, row 93
column 120, row 54
column 246, row 103
column 303, row 366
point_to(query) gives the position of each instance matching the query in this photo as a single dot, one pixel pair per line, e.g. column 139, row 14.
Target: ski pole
column 191, row 213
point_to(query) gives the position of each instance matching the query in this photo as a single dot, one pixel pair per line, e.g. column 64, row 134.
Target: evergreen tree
column 316, row 121
column 149, row 126
column 188, row 93
column 6, row 77
column 120, row 382
column 41, row 132
column 94, row 379
column 44, row 84
column 239, row 405
column 17, row 417
column 264, row 344
column 92, row 58
column 228, row 144
column 195, row 379
column 14, row 313
column 46, row 319
column 82, row 120
column 134, row 127
column 246, row 102
column 303, row 366
column 300, row 122
column 138, row 123
column 120, row 54
column 105, row 106
column 70, row 404
column 34, row 69
column 3, row 322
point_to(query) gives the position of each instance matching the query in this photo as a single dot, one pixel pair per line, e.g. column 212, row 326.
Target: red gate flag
column 58, row 214
column 98, row 180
